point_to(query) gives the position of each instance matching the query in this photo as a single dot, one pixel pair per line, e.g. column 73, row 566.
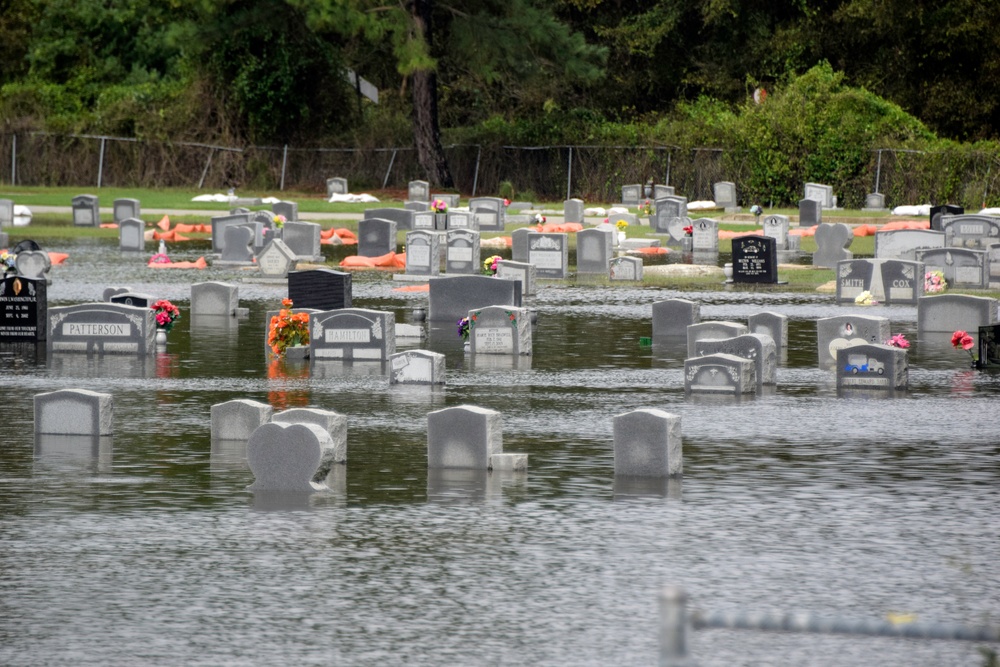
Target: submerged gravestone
column 770, row 324
column 320, row 289
column 672, row 317
column 376, row 237
column 238, row 419
column 86, row 211
column 451, row 299
column 758, row 348
column 417, row 367
column 101, row 328
column 123, row 209
column 549, row 253
column 131, row 235
column 238, row 245
column 73, row 412
column 423, row 253
column 523, row 272
column 285, row 457
column 854, row 276
column 462, row 252
column 500, row 330
column 835, row 333
column 712, row 329
column 303, row 239
column 902, row 281
column 23, row 310
column 724, row 374
column 465, row 436
column 276, row 260
column 950, row 312
column 33, row 264
column 219, row 225
column 832, row 243
column 626, row 268
column 214, row 298
column 755, row 260
column 647, row 443
column 352, row 334
column 136, row 299
column 872, row 367
column 335, row 424
column 594, row 250
column 963, row 268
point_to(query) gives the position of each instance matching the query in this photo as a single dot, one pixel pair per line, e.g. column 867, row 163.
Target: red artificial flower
column 967, row 342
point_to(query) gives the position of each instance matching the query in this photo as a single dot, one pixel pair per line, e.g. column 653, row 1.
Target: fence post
column 878, row 170
column 284, row 162
column 673, row 627
column 475, row 177
column 666, row 179
column 385, row 180
column 13, row 160
column 204, row 172
column 100, row 164
column 569, row 174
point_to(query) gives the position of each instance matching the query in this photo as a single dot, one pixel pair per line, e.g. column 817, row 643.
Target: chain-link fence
column 970, row 178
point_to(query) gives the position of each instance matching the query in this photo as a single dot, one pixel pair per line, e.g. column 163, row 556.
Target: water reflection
column 628, row 487
column 86, row 453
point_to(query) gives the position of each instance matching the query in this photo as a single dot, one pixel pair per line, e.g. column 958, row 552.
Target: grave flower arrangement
column 538, row 219
column 439, row 206
column 622, row 225
column 159, row 258
column 279, row 221
column 865, row 299
column 490, row 265
column 165, row 314
column 463, row 328
column 689, row 230
column 287, row 329
column 647, row 208
column 899, row 340
column 8, row 262
column 934, row 282
column 962, row 340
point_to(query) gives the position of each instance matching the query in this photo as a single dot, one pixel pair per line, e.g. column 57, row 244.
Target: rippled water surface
column 151, row 552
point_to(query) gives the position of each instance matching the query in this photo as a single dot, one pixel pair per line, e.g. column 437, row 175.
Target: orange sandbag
column 186, row 229
column 865, row 230
column 559, row 228
column 905, row 224
column 163, row 236
column 802, row 231
column 344, row 234
column 205, row 229
column 358, row 262
column 109, row 225
column 199, row 263
column 508, row 240
column 413, row 288
column 727, row 234
column 164, row 223
column 650, row 251
column 390, row 260
column 57, row 257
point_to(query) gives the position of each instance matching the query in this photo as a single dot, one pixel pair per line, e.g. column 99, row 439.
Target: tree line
column 578, row 71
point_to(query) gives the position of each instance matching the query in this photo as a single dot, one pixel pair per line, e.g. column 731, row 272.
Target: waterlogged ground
column 151, row 552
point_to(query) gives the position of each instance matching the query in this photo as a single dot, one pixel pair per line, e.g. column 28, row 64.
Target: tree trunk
column 426, row 132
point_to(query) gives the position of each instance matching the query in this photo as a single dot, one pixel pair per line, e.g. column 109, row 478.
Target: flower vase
column 467, row 347
column 621, row 238
column 161, row 337
column 687, row 244
column 297, row 353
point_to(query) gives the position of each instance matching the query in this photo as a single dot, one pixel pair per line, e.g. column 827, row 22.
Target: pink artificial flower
column 899, row 340
column 162, row 318
column 967, row 342
column 956, row 338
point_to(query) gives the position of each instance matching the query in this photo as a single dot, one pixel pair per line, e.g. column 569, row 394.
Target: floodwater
column 151, row 551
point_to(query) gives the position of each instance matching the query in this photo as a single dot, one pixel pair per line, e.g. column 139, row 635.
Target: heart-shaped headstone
column 33, row 264
column 284, row 457
column 832, row 241
column 676, row 228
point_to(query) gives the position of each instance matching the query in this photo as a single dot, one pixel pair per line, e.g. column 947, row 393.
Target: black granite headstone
column 23, row 310
column 133, row 299
column 322, row 289
column 989, row 345
column 944, row 209
column 755, row 260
